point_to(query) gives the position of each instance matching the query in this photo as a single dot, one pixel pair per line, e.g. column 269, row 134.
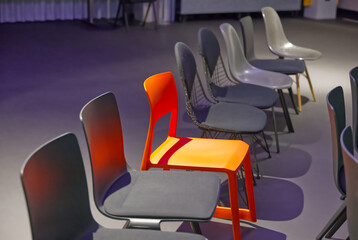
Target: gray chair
column 55, row 187
column 354, row 88
column 351, row 173
column 216, row 117
column 123, row 5
column 223, row 88
column 144, row 198
column 337, row 117
column 285, row 66
column 280, row 46
column 241, row 70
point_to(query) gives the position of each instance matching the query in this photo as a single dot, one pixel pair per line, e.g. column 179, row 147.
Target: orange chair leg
column 234, row 203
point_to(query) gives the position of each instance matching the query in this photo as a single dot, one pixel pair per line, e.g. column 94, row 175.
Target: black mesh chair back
column 103, row 130
column 197, row 101
column 354, row 88
column 55, row 187
column 337, row 117
column 351, row 173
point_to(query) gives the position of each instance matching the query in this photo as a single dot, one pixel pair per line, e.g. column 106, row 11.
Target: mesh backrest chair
column 337, row 117
column 285, row 66
column 144, row 198
column 223, row 88
column 56, row 192
column 200, row 154
column 351, row 173
column 214, row 117
column 241, row 70
column 281, row 46
column 354, row 89
column 123, row 5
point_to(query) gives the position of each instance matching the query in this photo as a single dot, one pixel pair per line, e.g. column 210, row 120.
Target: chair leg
column 293, row 102
column 285, row 111
column 298, row 92
column 196, row 227
column 266, row 145
column 341, row 219
column 275, row 129
column 310, row 83
column 155, row 16
column 234, row 204
column 331, row 226
column 125, row 15
column 146, row 15
column 120, row 5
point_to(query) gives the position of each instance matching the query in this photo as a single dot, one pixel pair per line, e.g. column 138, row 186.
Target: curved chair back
column 163, row 98
column 55, row 187
column 337, row 117
column 354, row 88
column 351, row 173
column 102, row 126
column 209, row 49
column 275, row 35
column 247, row 30
column 197, row 102
column 236, row 56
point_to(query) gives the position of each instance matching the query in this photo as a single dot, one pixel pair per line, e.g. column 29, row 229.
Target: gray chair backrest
column 103, row 130
column 351, row 173
column 236, row 56
column 209, row 48
column 55, row 186
column 275, row 34
column 337, row 117
column 354, row 88
column 247, row 29
column 197, row 102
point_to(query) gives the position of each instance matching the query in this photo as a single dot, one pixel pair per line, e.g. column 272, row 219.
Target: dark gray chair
column 354, row 88
column 337, row 117
column 123, row 5
column 144, row 198
column 55, row 186
column 223, row 88
column 285, row 66
column 351, row 173
column 216, row 117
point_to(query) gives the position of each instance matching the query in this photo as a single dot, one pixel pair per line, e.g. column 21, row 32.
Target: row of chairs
column 345, row 165
column 53, row 177
column 55, row 183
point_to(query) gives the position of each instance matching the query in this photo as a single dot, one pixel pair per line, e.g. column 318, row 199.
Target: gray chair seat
column 296, row 52
column 131, row 234
column 258, row 96
column 233, row 117
column 143, row 196
column 280, row 65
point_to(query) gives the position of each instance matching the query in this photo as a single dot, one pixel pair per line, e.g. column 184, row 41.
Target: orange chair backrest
column 163, row 99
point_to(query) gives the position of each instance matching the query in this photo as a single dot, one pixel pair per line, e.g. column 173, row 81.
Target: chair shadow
column 289, row 163
column 304, row 100
column 275, row 199
column 223, row 231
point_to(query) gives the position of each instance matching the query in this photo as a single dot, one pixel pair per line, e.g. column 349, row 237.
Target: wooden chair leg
column 234, row 204
column 310, row 83
column 298, row 93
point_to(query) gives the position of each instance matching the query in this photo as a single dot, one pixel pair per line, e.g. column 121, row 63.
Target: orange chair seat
column 188, row 152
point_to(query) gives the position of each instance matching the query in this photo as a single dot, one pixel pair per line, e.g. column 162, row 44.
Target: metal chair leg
column 146, row 14
column 285, row 111
column 332, row 226
column 196, row 227
column 120, row 5
column 293, row 101
column 275, row 130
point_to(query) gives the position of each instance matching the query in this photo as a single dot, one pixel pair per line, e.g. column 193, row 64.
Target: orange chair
column 216, row 155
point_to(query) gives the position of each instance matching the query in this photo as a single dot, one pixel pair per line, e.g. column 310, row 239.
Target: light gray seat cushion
column 165, row 195
column 285, row 66
column 254, row 95
column 233, row 117
column 131, row 234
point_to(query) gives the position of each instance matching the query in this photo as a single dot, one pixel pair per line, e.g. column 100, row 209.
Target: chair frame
column 233, row 212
